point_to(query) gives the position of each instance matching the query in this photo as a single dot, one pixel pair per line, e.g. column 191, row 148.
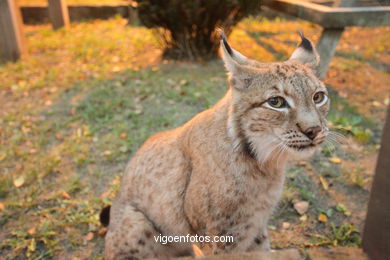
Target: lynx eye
column 319, row 97
column 277, row 102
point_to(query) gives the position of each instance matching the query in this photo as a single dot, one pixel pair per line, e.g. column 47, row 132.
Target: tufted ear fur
column 306, row 53
column 235, row 55
column 240, row 75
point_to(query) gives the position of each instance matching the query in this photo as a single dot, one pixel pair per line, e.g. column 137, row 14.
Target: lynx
column 222, row 172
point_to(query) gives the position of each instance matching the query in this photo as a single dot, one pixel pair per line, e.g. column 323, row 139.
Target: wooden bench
column 333, row 19
column 12, row 40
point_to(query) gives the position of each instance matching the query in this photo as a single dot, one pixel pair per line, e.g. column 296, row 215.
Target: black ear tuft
column 104, row 216
column 305, row 43
column 225, row 43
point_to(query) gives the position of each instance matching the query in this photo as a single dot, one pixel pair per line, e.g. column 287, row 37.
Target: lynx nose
column 312, row 132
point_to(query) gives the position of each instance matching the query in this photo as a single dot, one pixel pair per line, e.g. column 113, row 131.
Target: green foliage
column 344, row 235
column 192, row 24
column 341, row 208
column 346, row 120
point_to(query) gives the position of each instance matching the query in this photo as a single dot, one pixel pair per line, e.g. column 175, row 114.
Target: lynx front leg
column 261, row 242
column 130, row 236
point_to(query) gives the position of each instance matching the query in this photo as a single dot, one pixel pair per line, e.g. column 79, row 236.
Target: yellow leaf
column 303, row 218
column 2, row 156
column 31, row 247
column 197, row 251
column 116, row 69
column 324, row 183
column 322, row 218
column 79, row 132
column 19, row 181
column 335, row 159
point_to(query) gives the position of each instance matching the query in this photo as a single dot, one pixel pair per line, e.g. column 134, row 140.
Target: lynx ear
column 239, row 75
column 229, row 54
column 306, row 53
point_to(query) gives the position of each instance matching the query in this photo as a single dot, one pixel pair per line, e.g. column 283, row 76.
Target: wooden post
column 329, row 40
column 376, row 235
column 12, row 41
column 58, row 14
column 326, row 48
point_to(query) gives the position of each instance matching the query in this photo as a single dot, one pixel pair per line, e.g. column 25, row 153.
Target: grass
column 86, row 98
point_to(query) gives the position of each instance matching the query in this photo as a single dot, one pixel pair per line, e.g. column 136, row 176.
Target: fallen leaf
column 31, row 231
column 324, row 183
column 2, row 206
column 138, row 111
column 123, row 148
column 183, row 82
column 123, row 135
column 116, row 69
column 301, row 207
column 115, row 59
column 107, row 153
column 301, row 163
column 271, row 227
column 66, row 195
column 335, row 159
column 376, row 104
column 31, row 246
column 102, row 231
column 197, row 251
column 19, row 181
column 303, row 218
column 285, row 225
column 341, row 208
column 33, row 151
column 105, row 194
column 89, row 236
column 79, row 132
column 2, row 156
column 322, row 218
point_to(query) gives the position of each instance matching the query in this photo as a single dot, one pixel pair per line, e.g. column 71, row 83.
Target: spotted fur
column 222, row 172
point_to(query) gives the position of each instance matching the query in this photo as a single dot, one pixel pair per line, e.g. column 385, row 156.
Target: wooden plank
column 336, row 253
column 329, row 40
column 12, row 40
column 286, row 254
column 333, row 17
column 376, row 235
column 38, row 14
column 58, row 14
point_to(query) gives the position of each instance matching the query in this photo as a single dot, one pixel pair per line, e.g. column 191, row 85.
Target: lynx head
column 277, row 108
